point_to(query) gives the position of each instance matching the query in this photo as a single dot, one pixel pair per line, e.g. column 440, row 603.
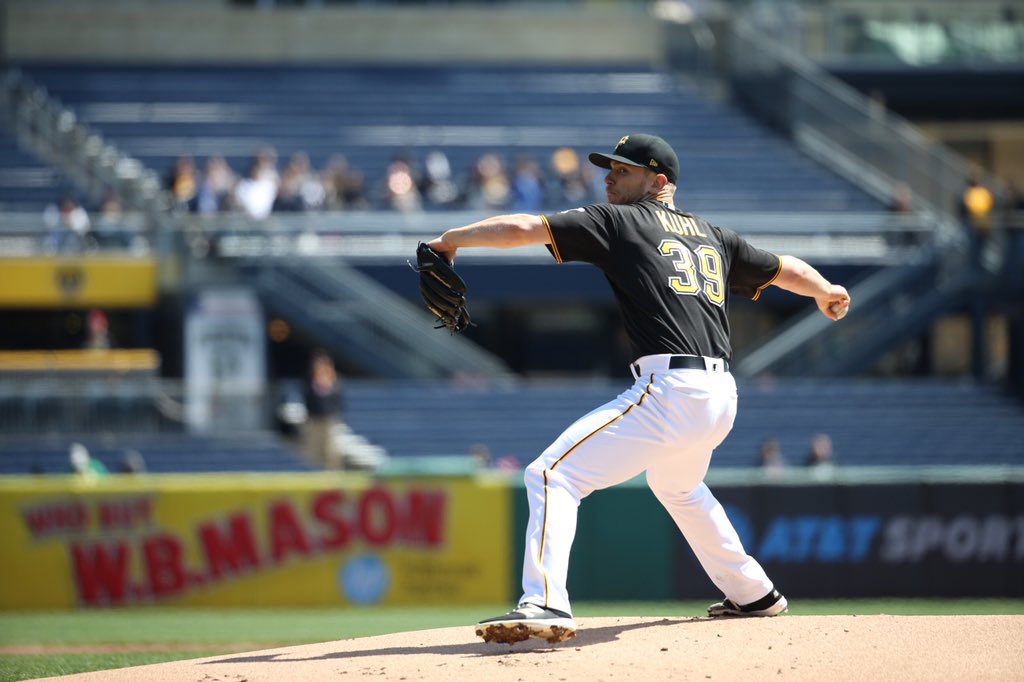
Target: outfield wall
column 860, row 538
column 251, row 540
column 350, row 539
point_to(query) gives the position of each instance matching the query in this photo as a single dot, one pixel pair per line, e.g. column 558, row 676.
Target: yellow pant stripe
column 544, row 521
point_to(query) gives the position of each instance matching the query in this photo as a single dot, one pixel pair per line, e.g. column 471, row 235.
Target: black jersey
column 672, row 272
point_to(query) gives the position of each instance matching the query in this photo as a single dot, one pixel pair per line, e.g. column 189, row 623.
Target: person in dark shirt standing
column 672, row 274
column 322, row 396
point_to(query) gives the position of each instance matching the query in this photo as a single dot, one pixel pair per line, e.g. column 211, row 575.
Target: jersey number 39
column 700, row 270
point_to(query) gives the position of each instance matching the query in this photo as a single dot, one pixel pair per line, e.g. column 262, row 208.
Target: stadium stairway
column 373, row 114
column 364, row 321
column 871, row 422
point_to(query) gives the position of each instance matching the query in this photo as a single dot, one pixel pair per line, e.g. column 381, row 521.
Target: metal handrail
column 395, row 324
column 888, row 148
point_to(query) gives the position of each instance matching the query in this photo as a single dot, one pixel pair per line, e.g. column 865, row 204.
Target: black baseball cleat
column 526, row 621
column 772, row 604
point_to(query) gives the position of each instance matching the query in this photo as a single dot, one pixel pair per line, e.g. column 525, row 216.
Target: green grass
column 224, row 625
column 209, row 632
column 30, row 667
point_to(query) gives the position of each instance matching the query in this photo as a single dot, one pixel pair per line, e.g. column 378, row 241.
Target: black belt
column 687, row 362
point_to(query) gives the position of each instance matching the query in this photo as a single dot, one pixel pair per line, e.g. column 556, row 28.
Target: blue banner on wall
column 912, row 540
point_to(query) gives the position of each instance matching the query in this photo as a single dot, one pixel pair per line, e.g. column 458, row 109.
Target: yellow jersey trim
column 757, row 294
column 554, row 246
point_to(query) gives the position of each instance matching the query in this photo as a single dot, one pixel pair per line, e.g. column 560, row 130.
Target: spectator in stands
column 69, row 227
column 323, row 412
column 438, row 185
column 570, row 183
column 507, row 463
column 110, row 230
column 481, row 455
column 217, row 187
column 1014, row 198
column 84, row 465
column 901, row 201
column 132, row 463
column 901, row 210
column 344, row 186
column 976, row 204
column 401, row 192
column 255, row 194
column 300, row 189
column 526, row 194
column 820, row 455
column 183, row 183
column 769, row 458
column 97, row 331
column 488, row 186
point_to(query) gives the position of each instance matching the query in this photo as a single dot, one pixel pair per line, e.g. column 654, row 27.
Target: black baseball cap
column 646, row 151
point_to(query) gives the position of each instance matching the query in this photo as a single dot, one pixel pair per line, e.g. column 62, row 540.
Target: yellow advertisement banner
column 251, row 540
column 101, row 281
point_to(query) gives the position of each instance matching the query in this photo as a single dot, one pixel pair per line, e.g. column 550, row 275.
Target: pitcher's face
column 625, row 184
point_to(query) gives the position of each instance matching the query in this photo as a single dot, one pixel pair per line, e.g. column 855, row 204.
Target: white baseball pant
column 667, row 424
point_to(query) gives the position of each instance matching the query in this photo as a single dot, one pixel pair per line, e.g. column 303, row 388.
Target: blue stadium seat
column 27, row 183
column 162, row 453
column 871, row 422
column 372, row 114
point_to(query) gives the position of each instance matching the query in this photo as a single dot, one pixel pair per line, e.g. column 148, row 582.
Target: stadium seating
column 372, row 114
column 26, row 183
column 927, row 422
column 871, row 423
column 162, row 453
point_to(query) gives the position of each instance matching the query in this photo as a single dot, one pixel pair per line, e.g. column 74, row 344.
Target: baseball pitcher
column 672, row 274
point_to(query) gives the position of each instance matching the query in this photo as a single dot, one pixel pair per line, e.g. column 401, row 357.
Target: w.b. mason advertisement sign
column 250, row 540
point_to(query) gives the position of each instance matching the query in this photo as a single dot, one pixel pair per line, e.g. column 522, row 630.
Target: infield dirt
column 829, row 648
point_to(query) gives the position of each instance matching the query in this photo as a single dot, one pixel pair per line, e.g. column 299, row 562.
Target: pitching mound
column 832, row 648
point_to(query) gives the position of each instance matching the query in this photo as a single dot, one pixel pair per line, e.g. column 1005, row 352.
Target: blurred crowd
column 408, row 184
column 71, row 229
column 268, row 186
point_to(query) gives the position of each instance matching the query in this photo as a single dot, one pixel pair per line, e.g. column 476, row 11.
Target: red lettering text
column 230, row 549
column 377, row 517
column 286, row 533
column 125, row 514
column 100, row 572
column 165, row 570
column 424, row 522
column 327, row 508
column 51, row 518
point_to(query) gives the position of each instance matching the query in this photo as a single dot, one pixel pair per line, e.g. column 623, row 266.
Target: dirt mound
column 833, row 648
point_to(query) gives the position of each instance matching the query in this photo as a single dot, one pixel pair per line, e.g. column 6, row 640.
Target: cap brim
column 605, row 160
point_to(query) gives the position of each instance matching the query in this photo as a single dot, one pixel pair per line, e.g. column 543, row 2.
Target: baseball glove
column 442, row 289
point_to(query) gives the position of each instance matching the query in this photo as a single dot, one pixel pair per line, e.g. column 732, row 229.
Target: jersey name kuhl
column 672, row 272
